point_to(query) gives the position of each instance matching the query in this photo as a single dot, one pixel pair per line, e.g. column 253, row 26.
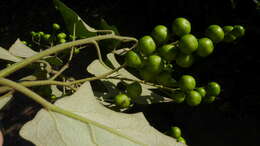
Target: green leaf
column 147, row 96
column 72, row 20
column 53, row 129
column 109, row 43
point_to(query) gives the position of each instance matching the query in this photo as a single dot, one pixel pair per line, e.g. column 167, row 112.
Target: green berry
column 184, row 60
column 24, row 42
column 147, row 75
column 122, row 100
column 53, row 97
column 76, row 50
column 165, row 79
column 188, row 44
column 202, row 91
column 134, row 89
column 62, row 35
column 227, row 29
column 46, row 36
column 168, row 52
column 133, row 60
column 229, row 38
column 193, row 98
column 215, row 33
column 187, row 83
column 33, row 34
column 175, row 132
column 147, row 45
column 41, row 33
column 62, row 41
column 160, row 34
column 205, row 47
column 213, row 89
column 181, row 26
column 182, row 140
column 209, row 99
column 178, row 97
column 55, row 26
column 238, row 31
column 154, row 64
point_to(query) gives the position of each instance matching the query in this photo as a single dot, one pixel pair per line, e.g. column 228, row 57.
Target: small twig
column 144, row 82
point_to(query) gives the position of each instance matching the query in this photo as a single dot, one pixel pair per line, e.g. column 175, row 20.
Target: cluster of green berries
column 195, row 95
column 176, row 133
column 159, row 44
column 133, row 90
column 56, row 37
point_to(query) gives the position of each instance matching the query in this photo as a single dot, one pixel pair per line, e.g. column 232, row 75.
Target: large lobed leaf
column 53, row 129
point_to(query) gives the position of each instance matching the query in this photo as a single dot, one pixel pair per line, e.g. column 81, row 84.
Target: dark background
column 231, row 120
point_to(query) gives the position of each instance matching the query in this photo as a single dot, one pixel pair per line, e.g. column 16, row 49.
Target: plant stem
column 7, row 71
column 52, row 82
column 62, row 111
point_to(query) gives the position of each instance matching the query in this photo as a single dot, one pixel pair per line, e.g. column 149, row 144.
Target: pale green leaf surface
column 21, row 50
column 5, row 55
column 147, row 96
column 53, row 129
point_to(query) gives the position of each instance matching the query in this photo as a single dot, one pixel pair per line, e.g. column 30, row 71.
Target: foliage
column 75, row 114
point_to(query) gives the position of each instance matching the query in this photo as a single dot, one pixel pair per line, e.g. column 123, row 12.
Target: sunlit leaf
column 5, row 55
column 21, row 50
column 53, row 129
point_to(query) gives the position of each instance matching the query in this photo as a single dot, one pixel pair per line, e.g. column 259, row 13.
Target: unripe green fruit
column 147, row 45
column 168, row 52
column 175, row 132
column 193, row 98
column 205, row 47
column 182, row 140
column 154, row 64
column 122, row 100
column 181, row 26
column 229, row 38
column 134, row 89
column 209, row 99
column 187, row 83
column 178, row 97
column 133, row 60
column 213, row 89
column 62, row 41
column 33, row 34
column 55, row 26
column 184, row 60
column 238, row 31
column 202, row 91
column 46, row 36
column 62, row 35
column 76, row 50
column 41, row 33
column 147, row 75
column 215, row 33
column 165, row 79
column 227, row 29
column 24, row 42
column 188, row 44
column 160, row 34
